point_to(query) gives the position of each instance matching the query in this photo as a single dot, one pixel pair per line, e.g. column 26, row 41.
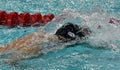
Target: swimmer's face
column 70, row 31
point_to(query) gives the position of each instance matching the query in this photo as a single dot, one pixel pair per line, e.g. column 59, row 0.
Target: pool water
column 77, row 57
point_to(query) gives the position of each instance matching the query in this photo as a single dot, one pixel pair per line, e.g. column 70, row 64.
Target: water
column 102, row 53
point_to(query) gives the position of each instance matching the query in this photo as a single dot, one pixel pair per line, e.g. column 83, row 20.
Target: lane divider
column 26, row 19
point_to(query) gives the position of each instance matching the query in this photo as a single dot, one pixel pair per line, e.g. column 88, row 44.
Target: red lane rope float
column 114, row 21
column 36, row 18
column 3, row 17
column 12, row 19
column 24, row 19
column 47, row 18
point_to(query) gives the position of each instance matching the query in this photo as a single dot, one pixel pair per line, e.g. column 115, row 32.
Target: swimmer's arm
column 22, row 42
column 24, row 53
column 19, row 43
column 31, row 51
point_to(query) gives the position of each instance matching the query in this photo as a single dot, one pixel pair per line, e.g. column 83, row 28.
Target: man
column 35, row 43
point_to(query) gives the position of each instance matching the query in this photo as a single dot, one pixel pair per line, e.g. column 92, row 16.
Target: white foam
column 103, row 33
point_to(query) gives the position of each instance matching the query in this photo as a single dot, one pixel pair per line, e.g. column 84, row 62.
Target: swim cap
column 70, row 31
column 67, row 31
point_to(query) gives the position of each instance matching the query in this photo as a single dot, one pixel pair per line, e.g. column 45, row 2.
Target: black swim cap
column 70, row 31
column 67, row 31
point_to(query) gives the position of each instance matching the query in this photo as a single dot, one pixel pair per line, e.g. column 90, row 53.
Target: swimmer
column 33, row 43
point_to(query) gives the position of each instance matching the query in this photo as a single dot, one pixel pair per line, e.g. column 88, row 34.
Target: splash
column 104, row 34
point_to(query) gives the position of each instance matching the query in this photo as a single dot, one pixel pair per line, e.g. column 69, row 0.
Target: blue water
column 78, row 57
